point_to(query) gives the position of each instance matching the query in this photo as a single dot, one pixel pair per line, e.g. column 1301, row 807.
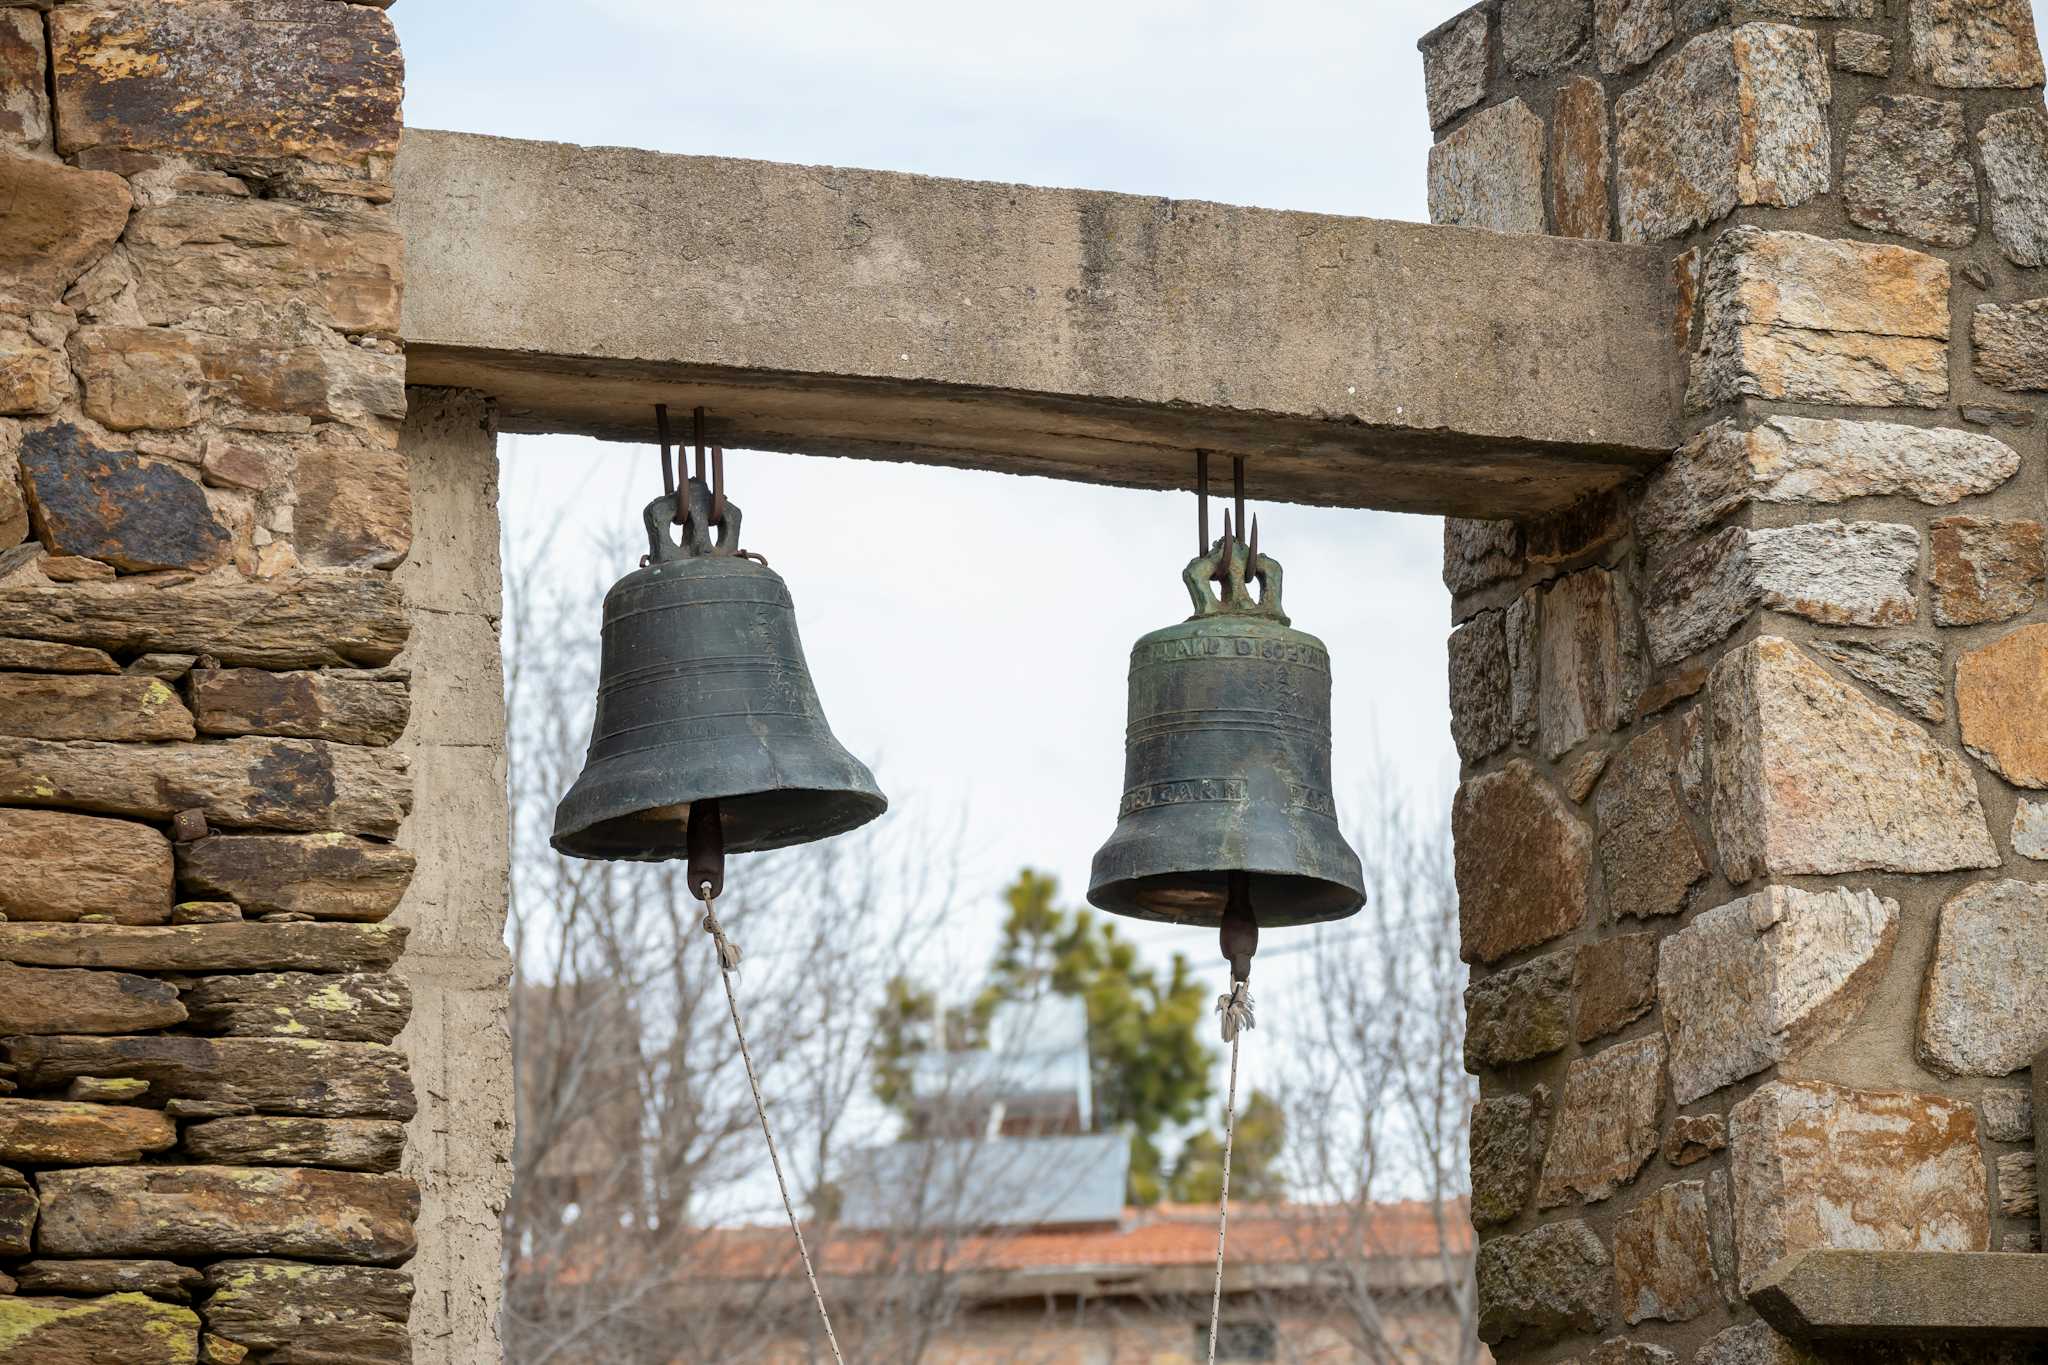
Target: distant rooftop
column 1034, row 1071
column 1005, row 1182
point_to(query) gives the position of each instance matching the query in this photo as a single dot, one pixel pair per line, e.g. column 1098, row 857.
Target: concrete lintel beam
column 1887, row 1295
column 1082, row 335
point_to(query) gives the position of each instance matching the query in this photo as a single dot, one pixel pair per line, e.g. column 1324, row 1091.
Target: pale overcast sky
column 979, row 661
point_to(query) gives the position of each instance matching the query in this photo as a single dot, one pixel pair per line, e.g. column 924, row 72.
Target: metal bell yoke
column 705, row 706
column 1227, row 811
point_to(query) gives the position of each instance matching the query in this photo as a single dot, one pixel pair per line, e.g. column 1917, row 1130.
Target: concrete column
column 459, row 1147
column 1749, row 841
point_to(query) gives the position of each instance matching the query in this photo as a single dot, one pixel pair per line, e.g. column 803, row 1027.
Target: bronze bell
column 1227, row 802
column 705, row 704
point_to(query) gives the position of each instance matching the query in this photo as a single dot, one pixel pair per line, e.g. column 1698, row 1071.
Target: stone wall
column 209, row 739
column 1751, row 835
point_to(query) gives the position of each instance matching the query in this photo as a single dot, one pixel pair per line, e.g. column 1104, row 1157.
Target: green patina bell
column 1227, row 802
column 705, row 704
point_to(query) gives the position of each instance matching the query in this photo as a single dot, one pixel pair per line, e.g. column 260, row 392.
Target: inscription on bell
column 1311, row 799
column 1212, row 646
column 1179, row 793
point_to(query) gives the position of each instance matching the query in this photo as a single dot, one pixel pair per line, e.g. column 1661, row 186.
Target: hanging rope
column 1236, row 1010
column 729, row 963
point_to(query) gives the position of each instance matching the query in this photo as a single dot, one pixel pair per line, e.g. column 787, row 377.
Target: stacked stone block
column 1752, row 835
column 202, row 499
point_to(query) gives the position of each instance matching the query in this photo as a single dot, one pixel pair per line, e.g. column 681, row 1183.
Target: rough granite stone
column 1663, row 1263
column 2001, row 694
column 1767, row 978
column 1858, row 573
column 1974, row 44
column 1648, row 854
column 1985, row 570
column 1479, row 553
column 1753, row 1343
column 1792, row 316
column 1524, row 615
column 1630, row 32
column 1507, row 1145
column 2018, row 1194
column 1523, row 1012
column 1615, row 981
column 1582, row 772
column 1698, row 598
column 1907, row 171
column 1909, row 671
column 1606, row 1125
column 1866, row 54
column 1694, row 770
column 1985, row 1008
column 1542, row 36
column 2007, row 1114
column 135, row 513
column 1479, row 686
column 1816, row 1165
column 2009, row 344
column 1695, row 1137
column 1488, row 171
column 1590, row 662
column 2015, row 149
column 1550, row 1282
column 1810, row 776
column 1579, row 160
column 1454, row 66
column 1620, row 1351
column 1523, row 863
column 1735, row 116
column 2030, row 830
column 1816, row 461
column 63, row 867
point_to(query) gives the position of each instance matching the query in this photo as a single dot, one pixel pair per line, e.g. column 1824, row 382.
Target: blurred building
column 999, row 1236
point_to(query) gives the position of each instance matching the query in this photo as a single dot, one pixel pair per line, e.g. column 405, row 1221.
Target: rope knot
column 728, row 951
column 1236, row 1011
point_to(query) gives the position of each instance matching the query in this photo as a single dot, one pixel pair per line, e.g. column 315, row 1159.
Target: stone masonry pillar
column 247, row 610
column 1752, row 834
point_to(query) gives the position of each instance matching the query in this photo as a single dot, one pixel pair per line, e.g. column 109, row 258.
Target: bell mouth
column 1279, row 899
column 753, row 823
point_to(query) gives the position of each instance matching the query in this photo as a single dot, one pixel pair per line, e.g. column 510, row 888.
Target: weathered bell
column 1227, row 764
column 703, row 696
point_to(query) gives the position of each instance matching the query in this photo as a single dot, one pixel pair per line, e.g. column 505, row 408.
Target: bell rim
column 1118, row 896
column 852, row 809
